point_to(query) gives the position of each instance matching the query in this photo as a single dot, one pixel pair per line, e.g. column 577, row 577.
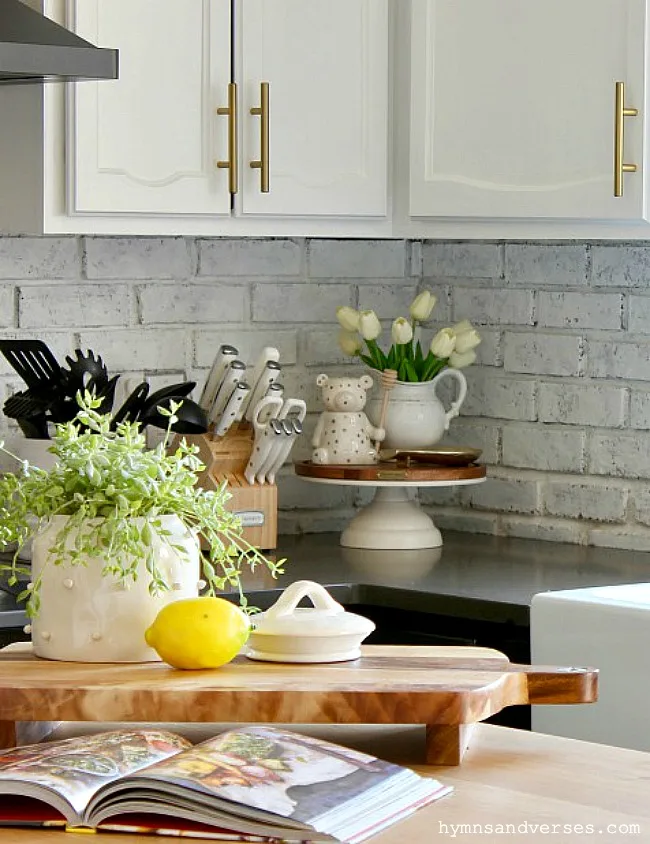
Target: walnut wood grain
column 449, row 686
column 388, row 472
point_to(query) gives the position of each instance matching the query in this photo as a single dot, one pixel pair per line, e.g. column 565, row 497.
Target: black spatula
column 34, row 362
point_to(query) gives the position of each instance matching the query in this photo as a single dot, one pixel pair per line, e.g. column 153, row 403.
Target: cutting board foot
column 446, row 743
column 7, row 734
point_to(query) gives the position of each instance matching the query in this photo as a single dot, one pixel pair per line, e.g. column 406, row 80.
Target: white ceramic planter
column 415, row 417
column 87, row 617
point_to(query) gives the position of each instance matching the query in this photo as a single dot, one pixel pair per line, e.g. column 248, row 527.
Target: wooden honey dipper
column 388, row 379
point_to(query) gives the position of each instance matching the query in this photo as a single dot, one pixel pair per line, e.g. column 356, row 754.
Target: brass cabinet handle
column 262, row 164
column 620, row 113
column 231, row 163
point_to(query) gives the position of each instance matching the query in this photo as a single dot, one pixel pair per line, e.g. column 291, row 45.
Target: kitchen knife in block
column 224, row 356
column 233, row 374
column 268, row 353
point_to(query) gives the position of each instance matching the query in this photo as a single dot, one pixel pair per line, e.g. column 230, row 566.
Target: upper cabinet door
column 148, row 142
column 326, row 62
column 513, row 108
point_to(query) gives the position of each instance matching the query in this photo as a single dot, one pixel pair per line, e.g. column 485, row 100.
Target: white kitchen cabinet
column 326, row 62
column 512, row 109
column 148, row 144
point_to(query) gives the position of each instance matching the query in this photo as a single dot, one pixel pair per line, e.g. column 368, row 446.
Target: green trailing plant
column 114, row 491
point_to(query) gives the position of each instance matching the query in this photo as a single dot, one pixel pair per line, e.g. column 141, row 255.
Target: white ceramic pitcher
column 416, row 417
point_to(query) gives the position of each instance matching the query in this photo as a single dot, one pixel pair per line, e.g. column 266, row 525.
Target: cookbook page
column 75, row 768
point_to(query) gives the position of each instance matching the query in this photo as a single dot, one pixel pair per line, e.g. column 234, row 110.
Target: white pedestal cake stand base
column 394, row 518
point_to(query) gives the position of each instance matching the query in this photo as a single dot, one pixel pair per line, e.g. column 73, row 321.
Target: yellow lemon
column 198, row 632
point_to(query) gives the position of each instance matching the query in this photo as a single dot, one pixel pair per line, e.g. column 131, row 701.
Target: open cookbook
column 252, row 783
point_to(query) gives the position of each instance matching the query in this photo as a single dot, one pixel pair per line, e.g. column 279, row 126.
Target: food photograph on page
column 255, row 783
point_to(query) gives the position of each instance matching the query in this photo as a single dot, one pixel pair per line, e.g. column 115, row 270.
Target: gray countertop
column 473, row 576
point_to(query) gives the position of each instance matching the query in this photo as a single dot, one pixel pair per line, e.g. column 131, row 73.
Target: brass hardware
column 620, row 113
column 231, row 164
column 391, row 475
column 262, row 164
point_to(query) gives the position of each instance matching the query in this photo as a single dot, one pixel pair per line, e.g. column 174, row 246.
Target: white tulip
column 444, row 343
column 422, row 306
column 467, row 340
column 369, row 325
column 348, row 318
column 401, row 332
column 349, row 342
column 460, row 327
column 458, row 361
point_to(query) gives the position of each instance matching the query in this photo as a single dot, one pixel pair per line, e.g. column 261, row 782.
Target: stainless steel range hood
column 35, row 49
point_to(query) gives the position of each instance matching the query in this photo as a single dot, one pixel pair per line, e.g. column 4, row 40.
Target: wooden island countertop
column 507, row 777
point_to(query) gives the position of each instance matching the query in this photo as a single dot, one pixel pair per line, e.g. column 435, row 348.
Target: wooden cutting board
column 388, row 471
column 447, row 688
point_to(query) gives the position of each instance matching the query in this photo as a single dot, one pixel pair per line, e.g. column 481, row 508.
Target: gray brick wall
column 559, row 399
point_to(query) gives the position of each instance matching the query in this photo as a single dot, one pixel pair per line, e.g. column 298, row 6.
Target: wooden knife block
column 226, row 458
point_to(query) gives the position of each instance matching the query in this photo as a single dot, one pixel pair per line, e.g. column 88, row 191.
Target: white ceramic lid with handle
column 325, row 632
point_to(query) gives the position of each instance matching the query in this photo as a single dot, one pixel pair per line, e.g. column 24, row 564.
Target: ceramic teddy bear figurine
column 344, row 433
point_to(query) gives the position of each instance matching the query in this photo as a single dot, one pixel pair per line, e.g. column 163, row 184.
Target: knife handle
column 224, row 356
column 229, row 415
column 228, row 383
column 271, row 373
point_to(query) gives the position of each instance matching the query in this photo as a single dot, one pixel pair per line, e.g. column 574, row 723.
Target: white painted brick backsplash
column 537, row 265
column 299, row 494
column 641, row 497
column 443, row 496
column 356, row 258
column 163, row 349
column 543, row 528
column 580, row 310
column 490, row 394
column 543, row 447
column 249, row 257
column 543, row 354
column 138, row 257
column 594, row 404
column 505, row 493
column 296, row 522
column 461, row 260
column 492, row 306
column 248, row 343
column 193, row 303
column 39, row 257
column 624, row 537
column 61, row 343
column 620, row 266
column 475, row 433
column 7, row 306
column 414, row 258
column 639, row 408
column 558, row 399
column 586, row 500
column 73, row 305
column 320, row 347
column 488, row 353
column 388, row 301
column 611, row 359
column 639, row 314
column 315, row 302
column 619, row 454
column 465, row 521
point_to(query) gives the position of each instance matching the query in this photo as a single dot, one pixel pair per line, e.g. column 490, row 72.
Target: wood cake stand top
column 388, row 471
column 446, row 688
